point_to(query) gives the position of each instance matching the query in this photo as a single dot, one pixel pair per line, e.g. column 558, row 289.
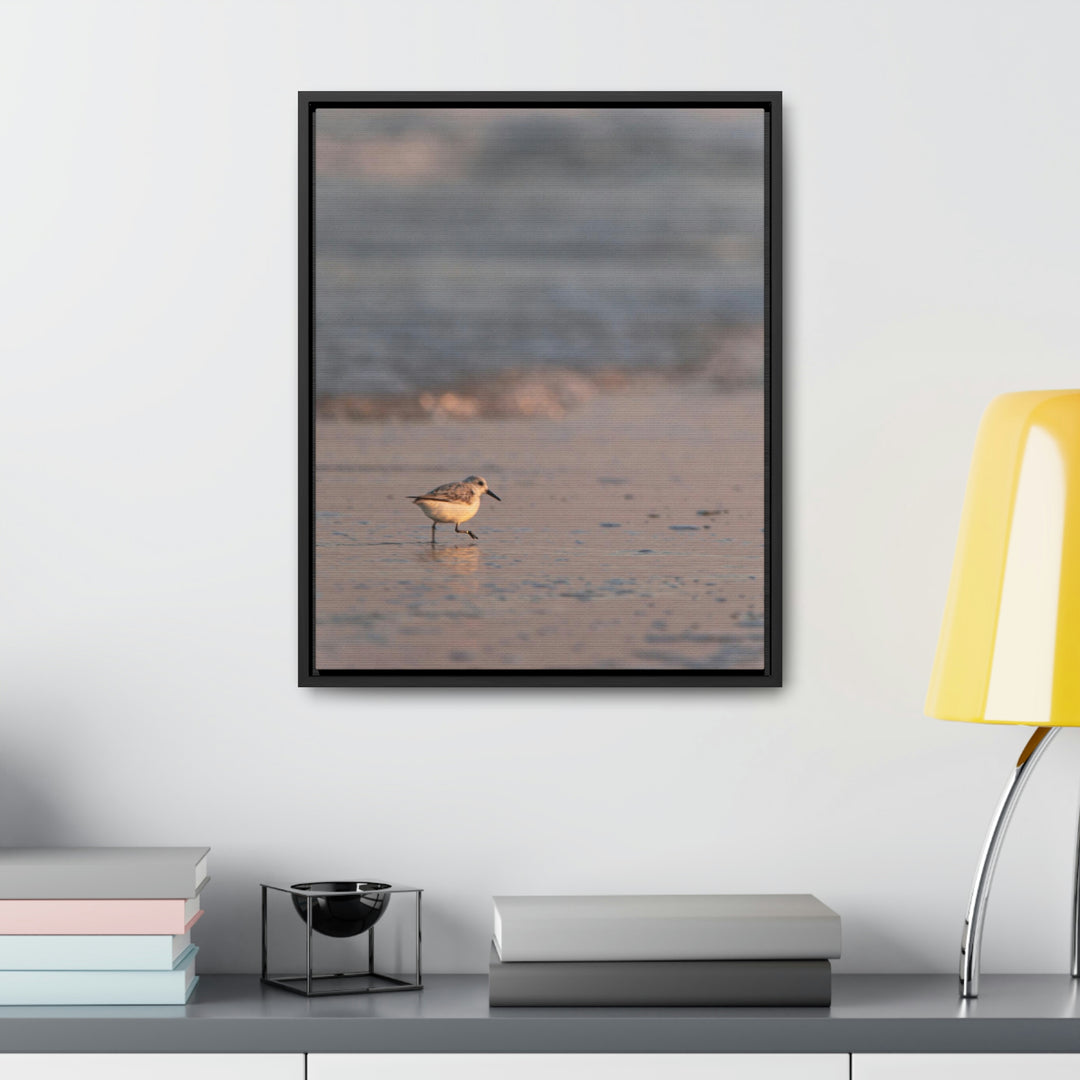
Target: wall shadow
column 30, row 816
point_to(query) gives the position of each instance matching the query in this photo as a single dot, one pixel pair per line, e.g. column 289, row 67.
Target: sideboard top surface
column 869, row 1014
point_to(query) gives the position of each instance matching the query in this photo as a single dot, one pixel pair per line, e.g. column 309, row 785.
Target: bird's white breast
column 453, row 512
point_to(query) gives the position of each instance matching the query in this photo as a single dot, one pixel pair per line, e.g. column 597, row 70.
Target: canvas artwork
column 539, row 388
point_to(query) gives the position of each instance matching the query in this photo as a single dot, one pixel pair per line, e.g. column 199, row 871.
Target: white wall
column 148, row 514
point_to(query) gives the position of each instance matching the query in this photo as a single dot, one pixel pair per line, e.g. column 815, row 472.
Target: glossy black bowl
column 342, row 916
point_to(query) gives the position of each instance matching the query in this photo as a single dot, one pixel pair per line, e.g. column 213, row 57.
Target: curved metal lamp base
column 971, row 945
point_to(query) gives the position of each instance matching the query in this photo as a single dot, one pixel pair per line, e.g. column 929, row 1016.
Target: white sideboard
column 965, row 1066
column 540, row 1066
column 152, row 1066
column 578, row 1066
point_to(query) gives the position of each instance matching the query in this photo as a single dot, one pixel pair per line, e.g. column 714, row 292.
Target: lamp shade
column 1009, row 650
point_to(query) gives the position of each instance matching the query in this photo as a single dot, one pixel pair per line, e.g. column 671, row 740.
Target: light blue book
column 170, row 987
column 91, row 952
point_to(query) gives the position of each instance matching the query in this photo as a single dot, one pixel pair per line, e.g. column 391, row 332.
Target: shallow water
column 630, row 535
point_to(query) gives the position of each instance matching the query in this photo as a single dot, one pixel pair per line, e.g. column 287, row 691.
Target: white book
column 786, row 926
column 105, row 873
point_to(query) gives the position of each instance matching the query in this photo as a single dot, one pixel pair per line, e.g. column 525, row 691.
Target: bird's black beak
column 493, row 495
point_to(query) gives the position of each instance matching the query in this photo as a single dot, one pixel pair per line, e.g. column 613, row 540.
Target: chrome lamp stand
column 971, row 945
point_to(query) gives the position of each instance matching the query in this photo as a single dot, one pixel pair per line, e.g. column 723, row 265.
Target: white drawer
column 152, row 1066
column 578, row 1066
column 965, row 1066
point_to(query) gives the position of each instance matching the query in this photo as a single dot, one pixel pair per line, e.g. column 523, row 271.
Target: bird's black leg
column 433, row 524
column 458, row 529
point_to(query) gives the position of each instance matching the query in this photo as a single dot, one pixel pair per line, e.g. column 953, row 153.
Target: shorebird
column 455, row 503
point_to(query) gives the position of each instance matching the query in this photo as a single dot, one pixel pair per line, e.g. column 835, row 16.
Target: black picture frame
column 770, row 102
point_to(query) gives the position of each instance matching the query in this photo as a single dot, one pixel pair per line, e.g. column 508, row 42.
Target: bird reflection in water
column 452, row 560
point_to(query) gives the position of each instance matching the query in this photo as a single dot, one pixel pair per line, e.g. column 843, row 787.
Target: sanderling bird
column 455, row 503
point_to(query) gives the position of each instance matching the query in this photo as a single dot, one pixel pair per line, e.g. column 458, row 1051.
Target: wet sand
column 630, row 535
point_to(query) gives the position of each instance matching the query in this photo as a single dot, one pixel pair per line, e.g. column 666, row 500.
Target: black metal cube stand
column 310, row 984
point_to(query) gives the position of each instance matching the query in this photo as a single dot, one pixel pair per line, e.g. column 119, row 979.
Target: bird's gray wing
column 451, row 493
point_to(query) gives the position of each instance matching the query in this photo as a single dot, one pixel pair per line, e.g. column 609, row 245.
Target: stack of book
column 99, row 926
column 663, row 950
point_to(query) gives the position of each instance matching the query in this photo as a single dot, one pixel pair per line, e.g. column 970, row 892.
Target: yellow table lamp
column 1009, row 651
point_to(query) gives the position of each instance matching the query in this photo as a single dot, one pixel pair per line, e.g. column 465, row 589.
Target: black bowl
column 342, row 916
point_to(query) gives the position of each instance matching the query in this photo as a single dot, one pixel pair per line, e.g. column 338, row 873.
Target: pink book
column 98, row 916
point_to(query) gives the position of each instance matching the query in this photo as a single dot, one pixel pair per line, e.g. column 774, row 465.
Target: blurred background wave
column 476, row 261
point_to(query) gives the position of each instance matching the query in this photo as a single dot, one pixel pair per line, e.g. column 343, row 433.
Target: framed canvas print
column 540, row 389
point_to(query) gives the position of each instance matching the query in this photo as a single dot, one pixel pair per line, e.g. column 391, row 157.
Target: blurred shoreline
column 736, row 363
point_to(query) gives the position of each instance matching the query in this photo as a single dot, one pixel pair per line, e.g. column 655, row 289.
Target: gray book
column 687, row 983
column 785, row 926
column 105, row 873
